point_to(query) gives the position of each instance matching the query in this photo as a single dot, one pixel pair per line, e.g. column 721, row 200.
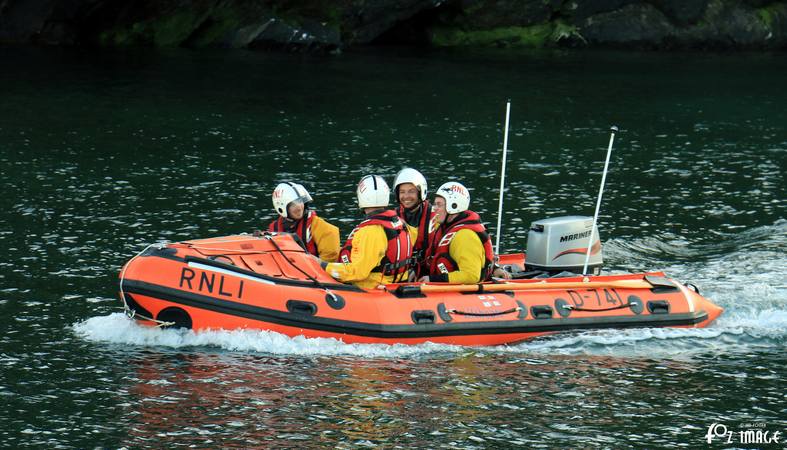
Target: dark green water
column 102, row 154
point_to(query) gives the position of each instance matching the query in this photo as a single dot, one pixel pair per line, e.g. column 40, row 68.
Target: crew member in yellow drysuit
column 410, row 192
column 460, row 249
column 291, row 201
column 378, row 251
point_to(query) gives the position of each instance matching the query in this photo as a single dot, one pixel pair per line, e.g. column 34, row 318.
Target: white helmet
column 372, row 192
column 457, row 198
column 286, row 193
column 408, row 175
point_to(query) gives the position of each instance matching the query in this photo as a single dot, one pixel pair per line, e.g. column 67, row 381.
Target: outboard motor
column 560, row 244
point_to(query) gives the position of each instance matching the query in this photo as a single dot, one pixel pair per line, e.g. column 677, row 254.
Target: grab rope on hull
column 316, row 282
column 576, row 308
column 467, row 313
column 132, row 313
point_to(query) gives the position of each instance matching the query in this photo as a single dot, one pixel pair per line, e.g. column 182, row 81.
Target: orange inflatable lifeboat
column 268, row 282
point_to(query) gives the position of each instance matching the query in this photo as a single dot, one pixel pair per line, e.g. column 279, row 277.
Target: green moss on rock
column 326, row 11
column 164, row 30
column 172, row 30
column 535, row 36
column 769, row 14
column 223, row 22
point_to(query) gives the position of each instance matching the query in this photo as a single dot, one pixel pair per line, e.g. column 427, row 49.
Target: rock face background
column 323, row 25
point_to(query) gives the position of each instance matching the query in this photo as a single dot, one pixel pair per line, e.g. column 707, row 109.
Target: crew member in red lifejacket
column 378, row 251
column 291, row 201
column 460, row 249
column 410, row 192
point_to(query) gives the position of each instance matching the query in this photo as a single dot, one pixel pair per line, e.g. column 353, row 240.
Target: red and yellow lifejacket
column 422, row 242
column 302, row 228
column 438, row 256
column 398, row 255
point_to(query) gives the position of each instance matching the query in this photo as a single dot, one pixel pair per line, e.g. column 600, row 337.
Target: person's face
column 439, row 209
column 295, row 210
column 408, row 195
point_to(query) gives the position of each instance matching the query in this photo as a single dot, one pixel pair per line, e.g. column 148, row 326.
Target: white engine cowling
column 561, row 243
